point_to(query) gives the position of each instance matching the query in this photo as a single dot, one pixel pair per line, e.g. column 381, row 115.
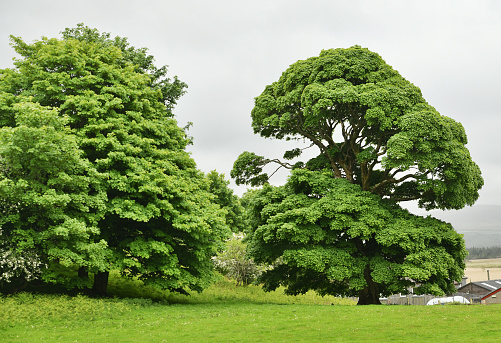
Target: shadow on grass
column 222, row 291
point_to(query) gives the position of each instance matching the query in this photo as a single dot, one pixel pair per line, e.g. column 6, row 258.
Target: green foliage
column 171, row 90
column 224, row 197
column 248, row 169
column 17, row 268
column 331, row 236
column 339, row 229
column 95, row 171
column 50, row 194
column 234, row 263
column 371, row 126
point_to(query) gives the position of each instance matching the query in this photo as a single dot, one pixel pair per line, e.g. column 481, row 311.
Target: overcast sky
column 228, row 51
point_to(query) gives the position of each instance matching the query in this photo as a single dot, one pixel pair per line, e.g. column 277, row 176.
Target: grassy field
column 226, row 313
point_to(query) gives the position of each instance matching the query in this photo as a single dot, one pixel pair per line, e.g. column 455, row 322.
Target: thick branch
column 388, row 181
column 320, row 145
column 282, row 164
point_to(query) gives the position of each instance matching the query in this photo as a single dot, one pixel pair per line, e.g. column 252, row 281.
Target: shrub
column 234, row 263
column 17, row 268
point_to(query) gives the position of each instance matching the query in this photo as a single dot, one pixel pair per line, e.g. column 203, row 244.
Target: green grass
column 224, row 290
column 226, row 313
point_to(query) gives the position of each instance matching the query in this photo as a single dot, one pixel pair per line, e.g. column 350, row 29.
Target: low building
column 480, row 287
column 492, row 297
column 482, row 291
column 485, row 292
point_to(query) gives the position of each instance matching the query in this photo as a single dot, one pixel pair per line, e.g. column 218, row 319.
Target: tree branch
column 282, row 164
column 406, row 198
column 320, row 145
column 390, row 181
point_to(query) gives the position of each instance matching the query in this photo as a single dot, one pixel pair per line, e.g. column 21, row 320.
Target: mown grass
column 226, row 313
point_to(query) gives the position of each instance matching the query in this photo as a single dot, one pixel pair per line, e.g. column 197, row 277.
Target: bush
column 234, row 263
column 17, row 268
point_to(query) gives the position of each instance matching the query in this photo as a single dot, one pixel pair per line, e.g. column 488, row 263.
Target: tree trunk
column 370, row 294
column 83, row 273
column 100, row 283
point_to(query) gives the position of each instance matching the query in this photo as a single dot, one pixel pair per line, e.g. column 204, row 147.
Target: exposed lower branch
column 282, row 164
column 269, row 177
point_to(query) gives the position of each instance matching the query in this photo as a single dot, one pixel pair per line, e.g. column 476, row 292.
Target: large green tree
column 159, row 221
column 375, row 131
column 229, row 202
column 50, row 197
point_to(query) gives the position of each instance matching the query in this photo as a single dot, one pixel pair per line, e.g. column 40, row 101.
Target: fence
column 411, row 299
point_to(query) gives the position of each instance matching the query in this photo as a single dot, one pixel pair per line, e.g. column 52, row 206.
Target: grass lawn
column 226, row 313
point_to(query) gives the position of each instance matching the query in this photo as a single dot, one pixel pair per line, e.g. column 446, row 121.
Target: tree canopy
column 331, row 236
column 336, row 225
column 50, row 195
column 371, row 126
column 116, row 165
column 229, row 202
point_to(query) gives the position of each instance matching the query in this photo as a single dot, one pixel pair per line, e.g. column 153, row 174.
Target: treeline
column 482, row 253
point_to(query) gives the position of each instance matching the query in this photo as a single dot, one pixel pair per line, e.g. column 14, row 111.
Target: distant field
column 476, row 270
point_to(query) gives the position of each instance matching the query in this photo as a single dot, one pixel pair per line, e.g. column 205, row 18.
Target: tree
column 232, row 260
column 374, row 131
column 159, row 222
column 229, row 202
column 484, row 252
column 50, row 199
column 335, row 238
column 234, row 263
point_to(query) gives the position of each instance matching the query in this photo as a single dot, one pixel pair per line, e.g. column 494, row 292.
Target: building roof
column 490, row 294
column 490, row 286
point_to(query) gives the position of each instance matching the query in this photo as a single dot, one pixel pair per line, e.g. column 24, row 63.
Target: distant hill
column 480, row 224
